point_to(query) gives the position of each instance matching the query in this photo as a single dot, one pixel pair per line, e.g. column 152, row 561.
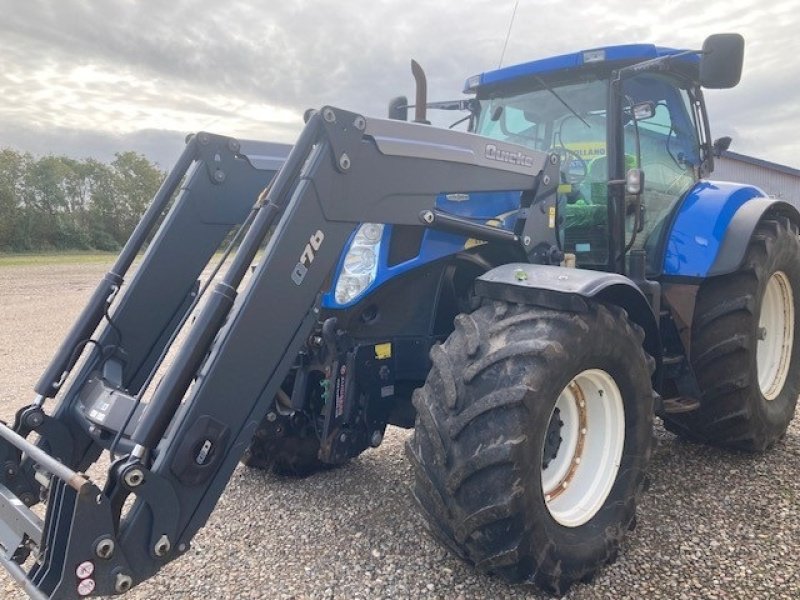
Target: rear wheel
column 533, row 434
column 744, row 346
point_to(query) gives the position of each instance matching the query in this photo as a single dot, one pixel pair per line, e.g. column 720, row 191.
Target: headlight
column 360, row 263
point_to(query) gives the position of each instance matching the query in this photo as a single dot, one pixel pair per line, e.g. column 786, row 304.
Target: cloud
column 160, row 146
column 127, row 71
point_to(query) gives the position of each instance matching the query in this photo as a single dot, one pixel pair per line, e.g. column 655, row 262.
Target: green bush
column 59, row 203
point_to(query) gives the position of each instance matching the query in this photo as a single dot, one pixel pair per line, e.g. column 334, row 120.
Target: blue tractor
column 532, row 389
column 533, row 427
column 528, row 296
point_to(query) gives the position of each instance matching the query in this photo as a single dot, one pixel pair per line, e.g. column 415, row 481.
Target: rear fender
column 734, row 245
column 568, row 289
column 713, row 226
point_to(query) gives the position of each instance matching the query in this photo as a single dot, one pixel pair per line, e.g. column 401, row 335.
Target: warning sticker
column 339, row 391
column 383, row 351
column 85, row 569
column 86, row 587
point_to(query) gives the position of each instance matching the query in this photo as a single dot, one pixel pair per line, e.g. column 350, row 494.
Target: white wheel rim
column 579, row 478
column 775, row 335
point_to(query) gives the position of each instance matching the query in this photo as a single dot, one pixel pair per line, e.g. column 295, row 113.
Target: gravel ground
column 713, row 525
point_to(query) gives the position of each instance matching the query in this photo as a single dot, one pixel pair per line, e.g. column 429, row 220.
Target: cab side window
column 669, row 147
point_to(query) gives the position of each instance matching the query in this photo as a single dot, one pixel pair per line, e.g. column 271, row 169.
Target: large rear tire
column 745, row 350
column 532, row 438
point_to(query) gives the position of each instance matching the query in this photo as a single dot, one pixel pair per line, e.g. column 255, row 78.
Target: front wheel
column 532, row 438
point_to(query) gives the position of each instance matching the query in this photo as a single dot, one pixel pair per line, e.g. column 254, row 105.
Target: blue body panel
column 627, row 53
column 701, row 224
column 435, row 244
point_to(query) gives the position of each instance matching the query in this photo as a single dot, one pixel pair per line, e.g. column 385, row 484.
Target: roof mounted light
column 592, row 56
column 472, row 83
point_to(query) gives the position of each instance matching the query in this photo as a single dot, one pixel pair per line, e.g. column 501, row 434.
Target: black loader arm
column 176, row 446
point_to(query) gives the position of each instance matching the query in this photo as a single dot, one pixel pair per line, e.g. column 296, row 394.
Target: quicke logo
column 506, row 156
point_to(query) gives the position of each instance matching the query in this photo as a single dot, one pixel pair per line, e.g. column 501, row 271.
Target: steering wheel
column 573, row 166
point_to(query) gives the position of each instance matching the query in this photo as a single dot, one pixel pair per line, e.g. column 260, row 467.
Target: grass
column 55, row 258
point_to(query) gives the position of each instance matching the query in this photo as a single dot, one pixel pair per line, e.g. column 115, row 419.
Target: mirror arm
column 708, row 143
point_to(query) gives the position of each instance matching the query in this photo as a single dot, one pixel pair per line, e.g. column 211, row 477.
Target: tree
column 64, row 203
column 135, row 182
column 11, row 168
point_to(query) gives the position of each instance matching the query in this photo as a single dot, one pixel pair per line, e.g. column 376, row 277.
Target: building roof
column 751, row 160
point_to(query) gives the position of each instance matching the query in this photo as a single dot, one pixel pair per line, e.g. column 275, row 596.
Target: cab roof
column 623, row 54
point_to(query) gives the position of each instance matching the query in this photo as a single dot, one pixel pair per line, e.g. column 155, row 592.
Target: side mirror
column 398, row 108
column 721, row 145
column 721, row 60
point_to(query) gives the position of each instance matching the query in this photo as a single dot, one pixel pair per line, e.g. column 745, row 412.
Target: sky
column 95, row 77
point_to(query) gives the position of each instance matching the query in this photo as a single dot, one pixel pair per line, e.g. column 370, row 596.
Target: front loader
column 397, row 273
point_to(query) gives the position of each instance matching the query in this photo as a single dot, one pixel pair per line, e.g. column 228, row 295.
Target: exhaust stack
column 420, row 105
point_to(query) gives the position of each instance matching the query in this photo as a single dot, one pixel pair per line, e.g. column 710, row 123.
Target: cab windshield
column 658, row 134
column 546, row 119
column 569, row 119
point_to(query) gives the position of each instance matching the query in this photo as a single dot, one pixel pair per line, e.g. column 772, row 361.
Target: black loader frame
column 174, row 448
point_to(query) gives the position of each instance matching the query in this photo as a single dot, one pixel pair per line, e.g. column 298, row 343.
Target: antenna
column 508, row 34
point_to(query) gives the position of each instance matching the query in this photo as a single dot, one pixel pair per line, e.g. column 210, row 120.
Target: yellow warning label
column 472, row 242
column 551, row 213
column 383, row 351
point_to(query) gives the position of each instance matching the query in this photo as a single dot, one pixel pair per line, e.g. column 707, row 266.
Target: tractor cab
column 629, row 125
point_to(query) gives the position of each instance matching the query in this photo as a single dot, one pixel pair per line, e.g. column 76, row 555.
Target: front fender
column 563, row 288
column 712, row 228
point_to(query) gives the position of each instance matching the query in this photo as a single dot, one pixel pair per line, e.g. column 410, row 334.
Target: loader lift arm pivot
column 183, row 447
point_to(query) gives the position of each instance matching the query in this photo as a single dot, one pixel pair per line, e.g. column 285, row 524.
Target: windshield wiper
column 560, row 99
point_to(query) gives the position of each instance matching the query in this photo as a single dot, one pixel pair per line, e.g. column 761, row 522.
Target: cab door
column 658, row 114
